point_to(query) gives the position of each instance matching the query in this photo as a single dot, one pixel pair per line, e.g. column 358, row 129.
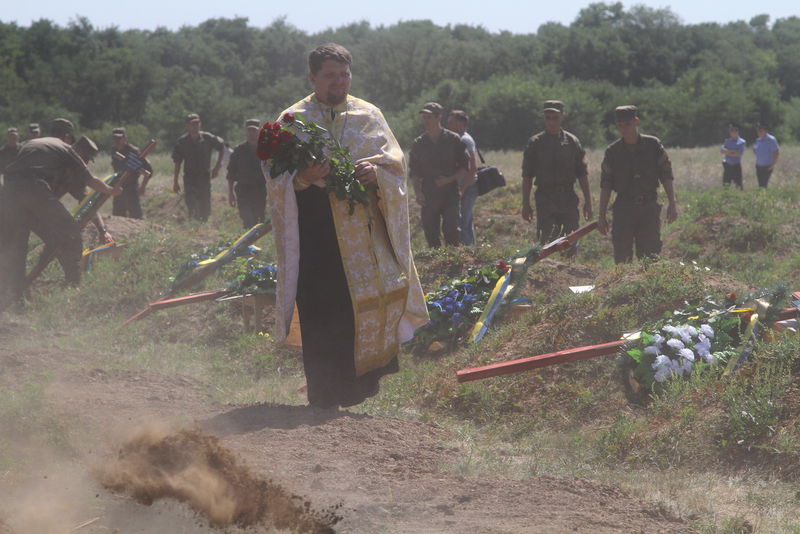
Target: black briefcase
column 489, row 177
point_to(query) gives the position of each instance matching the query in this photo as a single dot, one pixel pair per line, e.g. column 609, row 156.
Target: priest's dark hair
column 328, row 51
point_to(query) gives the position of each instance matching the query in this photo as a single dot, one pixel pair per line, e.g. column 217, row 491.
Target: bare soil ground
column 375, row 474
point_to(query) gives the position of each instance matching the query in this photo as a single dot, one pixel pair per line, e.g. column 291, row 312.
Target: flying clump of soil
column 197, row 469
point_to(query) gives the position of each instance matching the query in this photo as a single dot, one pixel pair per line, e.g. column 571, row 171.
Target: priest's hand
column 314, row 174
column 366, row 172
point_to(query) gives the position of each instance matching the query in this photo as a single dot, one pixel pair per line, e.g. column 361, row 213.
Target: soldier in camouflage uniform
column 45, row 169
column 633, row 166
column 128, row 204
column 193, row 150
column 555, row 159
column 247, row 187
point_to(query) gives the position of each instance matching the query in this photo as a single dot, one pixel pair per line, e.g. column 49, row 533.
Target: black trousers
column 128, row 203
column 327, row 323
column 732, row 173
column 441, row 211
column 556, row 215
column 251, row 199
column 197, row 194
column 29, row 206
column 636, row 224
column 763, row 174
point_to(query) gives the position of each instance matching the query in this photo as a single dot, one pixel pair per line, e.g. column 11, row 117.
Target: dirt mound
column 195, row 468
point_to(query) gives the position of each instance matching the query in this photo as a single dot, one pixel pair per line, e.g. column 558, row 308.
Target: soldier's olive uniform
column 128, row 203
column 244, row 170
column 555, row 162
column 430, row 160
column 45, row 169
column 634, row 171
column 195, row 154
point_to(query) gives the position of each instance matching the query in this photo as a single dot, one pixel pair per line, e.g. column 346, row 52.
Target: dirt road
column 388, row 475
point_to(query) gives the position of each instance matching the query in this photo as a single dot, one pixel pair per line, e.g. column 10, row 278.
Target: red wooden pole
column 542, row 360
column 180, row 301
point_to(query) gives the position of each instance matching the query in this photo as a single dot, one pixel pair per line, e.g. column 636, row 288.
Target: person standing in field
column 44, row 170
column 193, row 150
column 438, row 163
column 553, row 160
column 352, row 276
column 457, row 122
column 767, row 154
column 733, row 150
column 247, row 187
column 129, row 203
column 633, row 166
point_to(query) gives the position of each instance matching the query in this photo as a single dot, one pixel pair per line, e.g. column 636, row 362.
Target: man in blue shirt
column 733, row 149
column 468, row 186
column 767, row 153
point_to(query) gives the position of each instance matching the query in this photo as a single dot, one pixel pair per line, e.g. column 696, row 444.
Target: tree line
column 689, row 80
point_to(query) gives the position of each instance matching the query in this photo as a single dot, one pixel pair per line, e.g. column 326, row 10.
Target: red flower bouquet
column 294, row 144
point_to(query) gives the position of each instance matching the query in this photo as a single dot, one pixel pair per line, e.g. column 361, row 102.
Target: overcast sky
column 518, row 16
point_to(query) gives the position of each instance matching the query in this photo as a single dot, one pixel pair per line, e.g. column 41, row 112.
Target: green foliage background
column 690, row 80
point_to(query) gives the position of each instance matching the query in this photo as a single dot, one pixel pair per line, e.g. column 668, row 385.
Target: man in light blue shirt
column 733, row 149
column 767, row 153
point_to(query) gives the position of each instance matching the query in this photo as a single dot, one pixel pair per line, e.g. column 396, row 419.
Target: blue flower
column 449, row 309
column 469, row 300
column 448, row 301
column 468, row 287
column 457, row 318
column 454, row 293
column 460, row 307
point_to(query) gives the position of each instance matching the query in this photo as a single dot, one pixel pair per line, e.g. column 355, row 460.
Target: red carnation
column 288, row 118
column 285, row 137
column 731, row 296
column 503, row 267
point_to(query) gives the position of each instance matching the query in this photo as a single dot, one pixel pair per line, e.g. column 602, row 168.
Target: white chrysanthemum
column 675, row 344
column 707, row 331
column 671, row 330
column 684, row 334
column 651, row 350
column 686, row 367
column 658, row 340
column 692, row 330
column 710, row 358
column 662, row 374
column 676, row 366
column 703, row 346
column 661, row 362
column 687, row 354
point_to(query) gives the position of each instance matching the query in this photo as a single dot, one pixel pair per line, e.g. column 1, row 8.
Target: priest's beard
column 334, row 99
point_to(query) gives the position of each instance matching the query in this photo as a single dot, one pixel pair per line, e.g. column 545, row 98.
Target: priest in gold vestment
column 350, row 277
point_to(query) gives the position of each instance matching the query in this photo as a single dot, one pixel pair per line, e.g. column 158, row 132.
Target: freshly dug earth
column 196, row 468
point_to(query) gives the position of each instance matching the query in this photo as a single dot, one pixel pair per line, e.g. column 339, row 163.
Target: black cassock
column 326, row 311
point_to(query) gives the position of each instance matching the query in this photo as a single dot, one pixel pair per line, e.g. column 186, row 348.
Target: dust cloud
column 197, row 469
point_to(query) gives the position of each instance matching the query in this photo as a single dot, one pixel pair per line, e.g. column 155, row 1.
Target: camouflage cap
column 33, row 127
column 60, row 127
column 434, row 108
column 118, row 132
column 252, row 123
column 626, row 113
column 191, row 117
column 13, row 131
column 554, row 105
column 762, row 126
column 85, row 147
